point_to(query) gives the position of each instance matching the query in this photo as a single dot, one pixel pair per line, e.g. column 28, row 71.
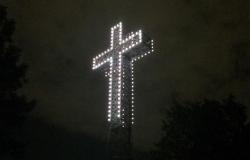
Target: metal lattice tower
column 118, row 62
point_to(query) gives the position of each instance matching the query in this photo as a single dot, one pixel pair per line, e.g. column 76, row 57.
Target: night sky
column 201, row 51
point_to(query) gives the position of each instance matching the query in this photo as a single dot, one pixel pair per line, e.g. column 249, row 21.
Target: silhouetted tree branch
column 13, row 106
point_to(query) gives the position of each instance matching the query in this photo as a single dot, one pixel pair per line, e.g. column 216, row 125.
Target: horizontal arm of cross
column 102, row 59
column 141, row 46
column 131, row 41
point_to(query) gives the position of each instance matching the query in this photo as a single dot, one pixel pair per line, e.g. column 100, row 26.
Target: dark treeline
column 208, row 130
column 23, row 137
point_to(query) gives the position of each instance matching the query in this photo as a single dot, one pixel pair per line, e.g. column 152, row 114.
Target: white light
column 116, row 76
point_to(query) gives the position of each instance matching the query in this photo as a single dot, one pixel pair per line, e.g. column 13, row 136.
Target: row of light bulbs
column 132, row 78
column 110, row 88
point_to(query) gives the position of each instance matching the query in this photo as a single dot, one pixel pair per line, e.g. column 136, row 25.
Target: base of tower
column 119, row 144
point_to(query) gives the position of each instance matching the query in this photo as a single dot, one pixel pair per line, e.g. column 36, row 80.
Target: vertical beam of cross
column 119, row 60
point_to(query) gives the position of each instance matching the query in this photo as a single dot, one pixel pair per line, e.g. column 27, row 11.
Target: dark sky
column 202, row 51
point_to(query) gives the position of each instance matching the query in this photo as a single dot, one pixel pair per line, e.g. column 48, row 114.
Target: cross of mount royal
column 117, row 62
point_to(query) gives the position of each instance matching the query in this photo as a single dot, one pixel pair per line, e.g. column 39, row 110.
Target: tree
column 13, row 106
column 208, row 130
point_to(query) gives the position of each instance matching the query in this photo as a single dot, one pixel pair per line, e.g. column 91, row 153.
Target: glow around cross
column 118, row 71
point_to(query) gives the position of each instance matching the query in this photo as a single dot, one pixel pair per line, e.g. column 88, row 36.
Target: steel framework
column 118, row 62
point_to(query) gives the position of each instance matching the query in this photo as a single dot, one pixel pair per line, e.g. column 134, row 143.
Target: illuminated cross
column 117, row 61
